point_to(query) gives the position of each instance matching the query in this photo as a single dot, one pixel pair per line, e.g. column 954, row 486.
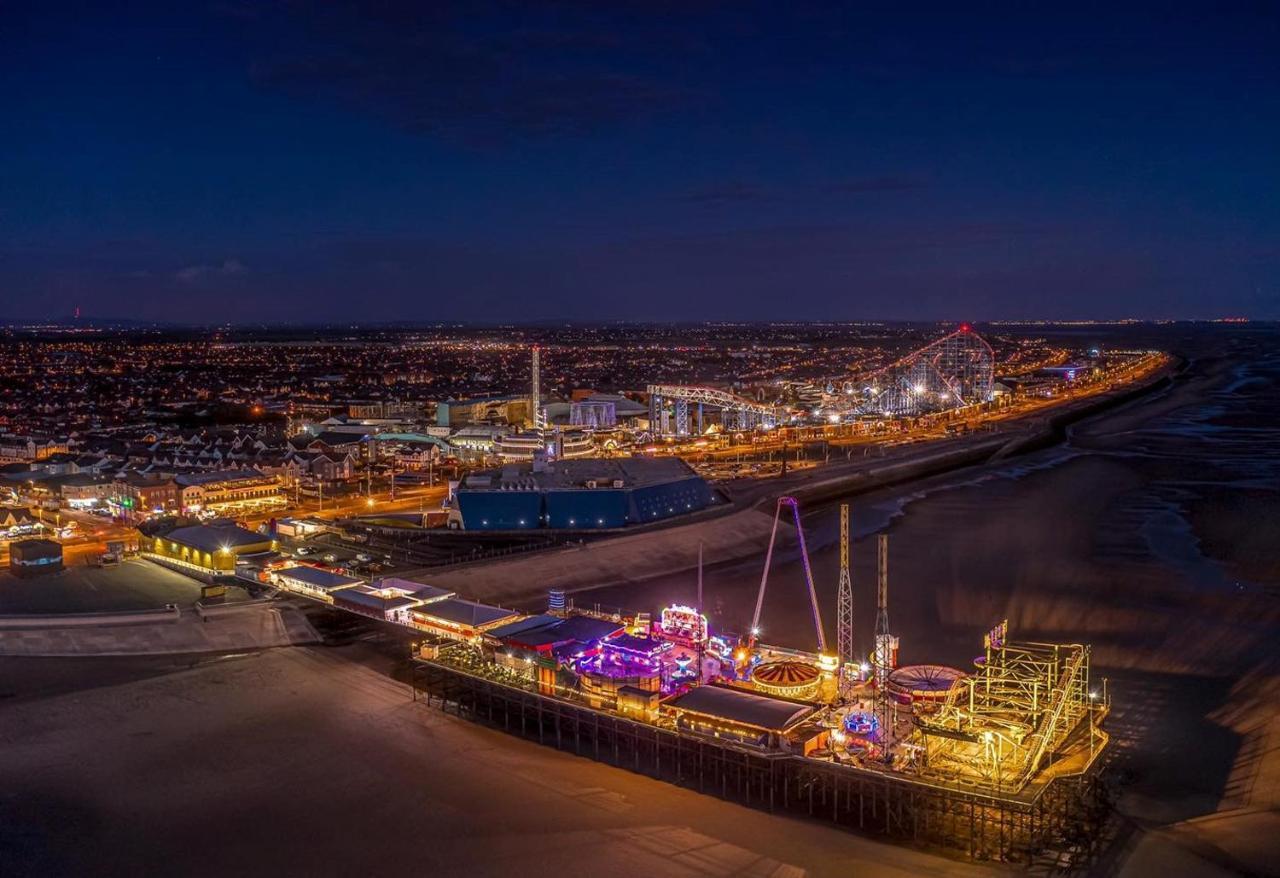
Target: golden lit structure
column 1027, row 714
column 787, row 679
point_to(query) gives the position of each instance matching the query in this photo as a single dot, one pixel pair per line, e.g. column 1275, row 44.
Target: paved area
column 301, row 762
column 258, row 628
column 132, row 585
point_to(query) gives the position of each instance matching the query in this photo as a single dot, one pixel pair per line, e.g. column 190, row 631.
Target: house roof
column 337, row 439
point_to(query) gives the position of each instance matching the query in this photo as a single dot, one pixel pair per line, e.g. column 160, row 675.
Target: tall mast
column 882, row 585
column 844, row 601
column 535, row 392
column 885, row 646
column 699, row 576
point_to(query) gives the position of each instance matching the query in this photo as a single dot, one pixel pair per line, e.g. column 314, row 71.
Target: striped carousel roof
column 785, row 674
column 926, row 682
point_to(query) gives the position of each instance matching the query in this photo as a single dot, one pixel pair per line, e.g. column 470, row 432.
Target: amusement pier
column 994, row 761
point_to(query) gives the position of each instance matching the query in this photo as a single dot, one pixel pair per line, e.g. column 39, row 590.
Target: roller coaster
column 954, row 371
column 685, row 410
column 1028, row 714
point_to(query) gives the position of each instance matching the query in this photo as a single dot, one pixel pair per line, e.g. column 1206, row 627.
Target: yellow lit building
column 207, row 549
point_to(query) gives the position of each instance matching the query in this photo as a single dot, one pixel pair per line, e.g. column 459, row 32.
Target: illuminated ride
column 922, row 684
column 684, row 625
column 623, row 661
column 670, row 414
column 861, row 723
column 787, row 678
column 955, row 371
column 826, row 662
column 1028, row 713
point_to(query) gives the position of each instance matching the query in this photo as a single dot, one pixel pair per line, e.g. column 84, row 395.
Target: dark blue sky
column 637, row 160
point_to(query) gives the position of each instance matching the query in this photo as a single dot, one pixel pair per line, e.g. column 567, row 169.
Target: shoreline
column 735, row 535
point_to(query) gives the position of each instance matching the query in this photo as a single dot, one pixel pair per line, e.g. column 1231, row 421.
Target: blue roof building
column 586, row 494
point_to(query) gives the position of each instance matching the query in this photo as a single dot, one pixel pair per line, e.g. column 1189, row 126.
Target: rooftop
column 363, row 596
column 744, row 708
column 212, row 538
column 462, row 612
column 190, row 479
column 586, row 629
column 524, row 626
column 633, row 472
column 317, row 578
column 420, row 590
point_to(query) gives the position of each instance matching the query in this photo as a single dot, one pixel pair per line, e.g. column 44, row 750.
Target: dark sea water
column 1152, row 533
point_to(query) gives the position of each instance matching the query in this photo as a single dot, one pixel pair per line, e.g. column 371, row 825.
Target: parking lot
column 132, row 585
column 330, row 551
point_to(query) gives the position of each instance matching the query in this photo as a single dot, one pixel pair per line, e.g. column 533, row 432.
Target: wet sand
column 312, row 762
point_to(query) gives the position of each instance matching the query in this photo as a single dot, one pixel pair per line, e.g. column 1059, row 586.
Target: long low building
column 390, row 599
column 736, row 715
column 587, row 494
column 314, row 582
column 385, row 605
column 228, row 490
column 205, row 549
column 459, row 619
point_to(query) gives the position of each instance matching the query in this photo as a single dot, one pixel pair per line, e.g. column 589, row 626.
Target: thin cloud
column 887, row 183
column 723, row 193
column 192, row 273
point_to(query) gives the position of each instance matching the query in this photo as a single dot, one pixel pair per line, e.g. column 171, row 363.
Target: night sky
column 326, row 161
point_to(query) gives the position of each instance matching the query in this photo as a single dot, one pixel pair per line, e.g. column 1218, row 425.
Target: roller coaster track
column 956, row 370
column 998, row 727
column 736, row 412
column 1054, row 727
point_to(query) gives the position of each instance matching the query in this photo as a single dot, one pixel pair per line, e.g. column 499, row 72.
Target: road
column 407, row 500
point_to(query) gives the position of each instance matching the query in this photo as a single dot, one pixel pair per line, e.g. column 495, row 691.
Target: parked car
column 303, row 550
column 363, row 558
column 330, row 558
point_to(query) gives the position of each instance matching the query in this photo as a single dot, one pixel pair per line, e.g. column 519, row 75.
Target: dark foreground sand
column 305, row 762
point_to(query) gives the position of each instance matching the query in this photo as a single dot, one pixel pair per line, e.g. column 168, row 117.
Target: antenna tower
column 886, row 644
column 844, row 601
column 535, row 395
